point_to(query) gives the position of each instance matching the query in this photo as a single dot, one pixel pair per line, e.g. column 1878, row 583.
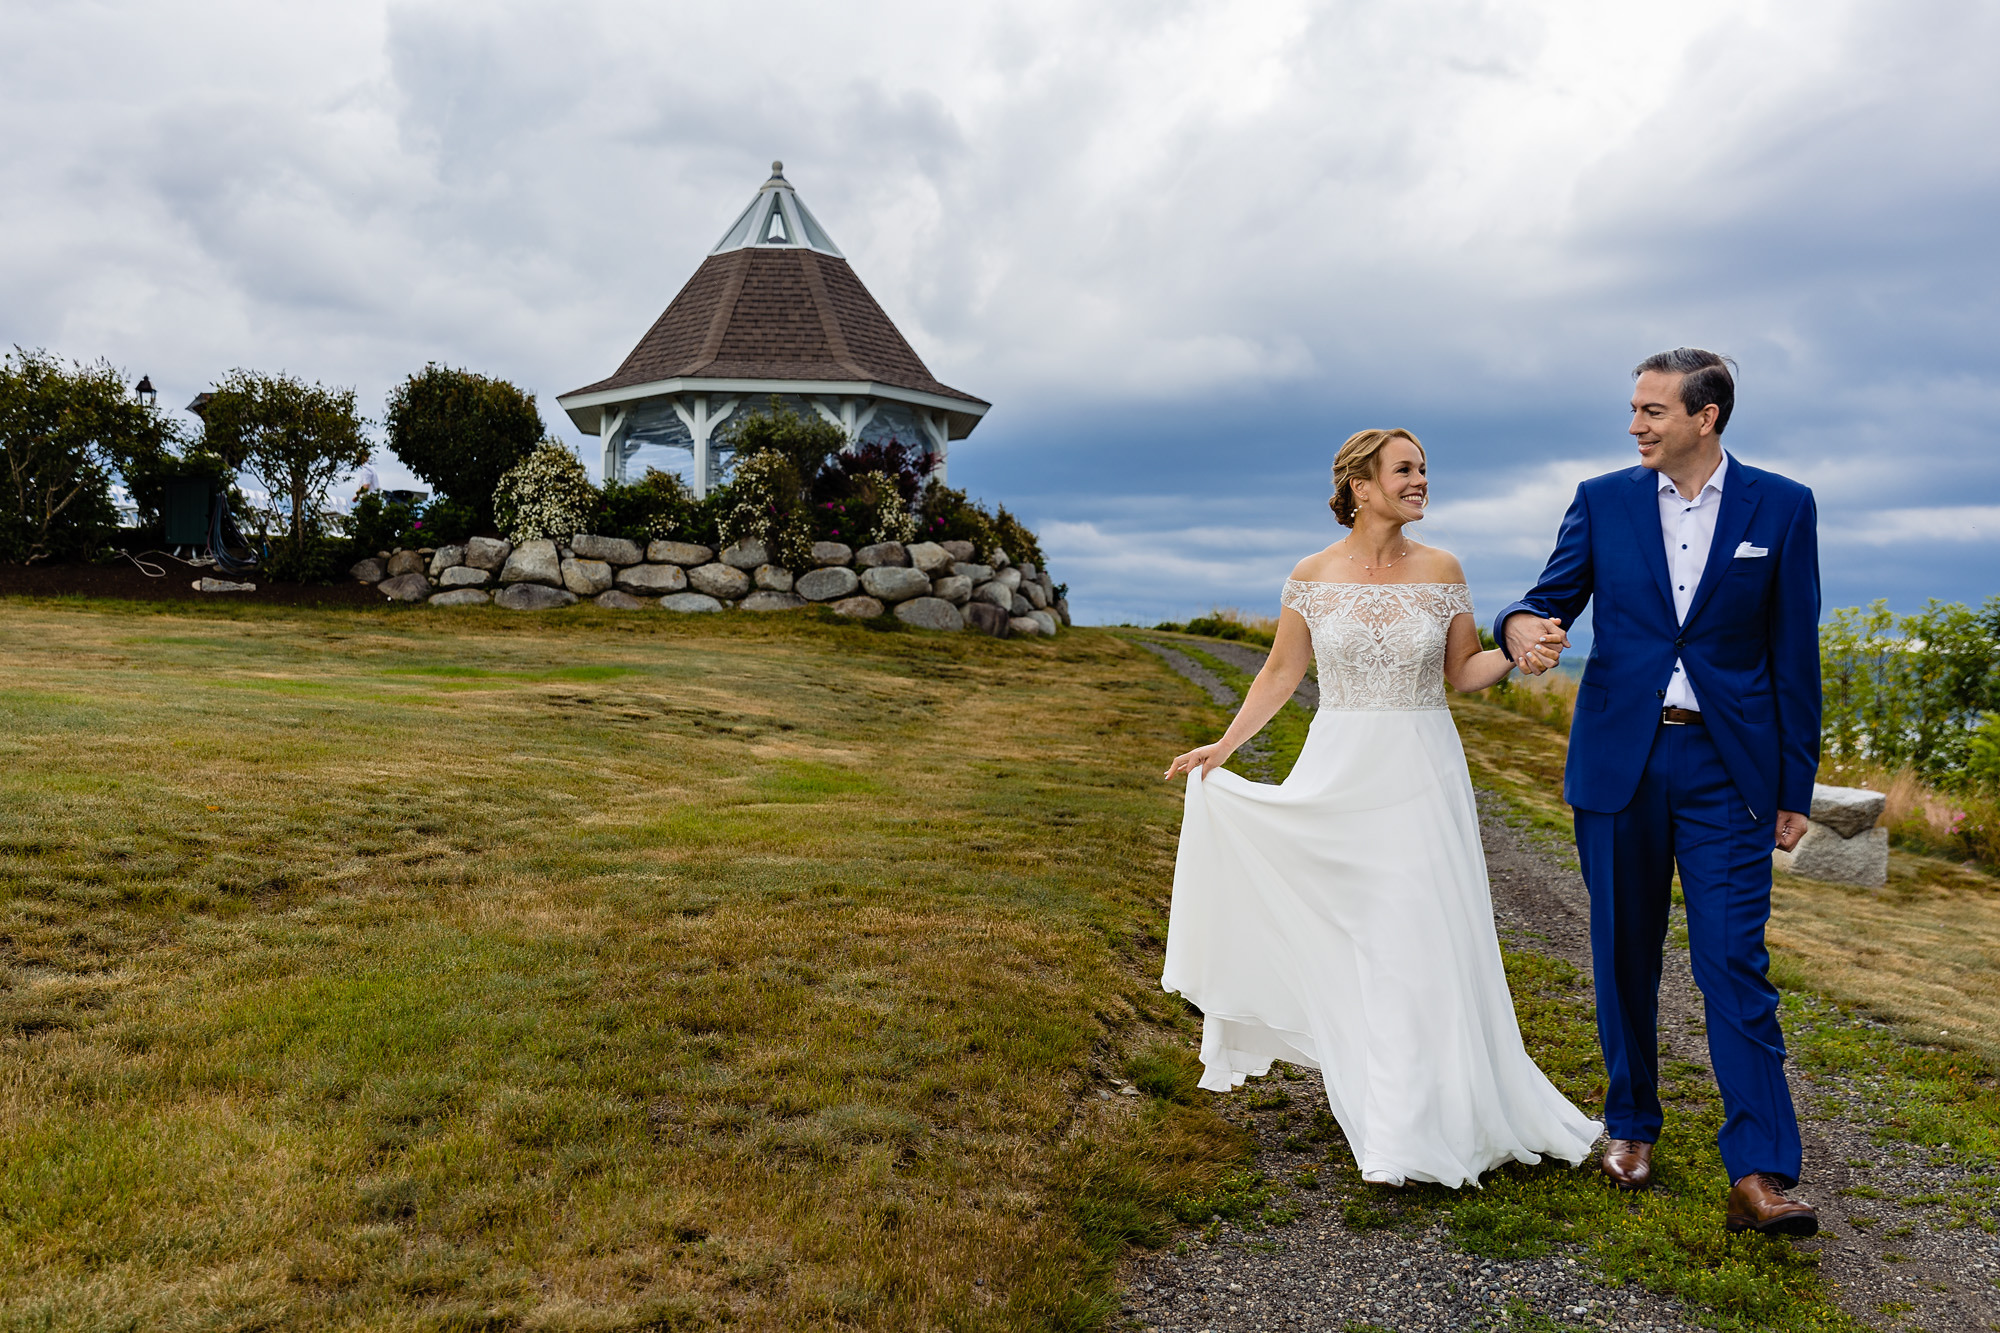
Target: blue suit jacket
column 1750, row 643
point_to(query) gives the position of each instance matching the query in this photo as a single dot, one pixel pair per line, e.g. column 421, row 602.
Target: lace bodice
column 1379, row 646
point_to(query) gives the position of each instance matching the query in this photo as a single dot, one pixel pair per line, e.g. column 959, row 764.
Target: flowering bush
column 547, row 494
column 873, row 510
column 767, row 505
column 945, row 515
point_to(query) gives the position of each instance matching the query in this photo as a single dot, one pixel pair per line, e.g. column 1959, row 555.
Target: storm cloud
column 1184, row 248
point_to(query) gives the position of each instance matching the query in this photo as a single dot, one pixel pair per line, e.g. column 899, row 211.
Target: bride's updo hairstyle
column 1358, row 459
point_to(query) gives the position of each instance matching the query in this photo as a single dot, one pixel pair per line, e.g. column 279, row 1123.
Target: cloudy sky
column 1184, row 248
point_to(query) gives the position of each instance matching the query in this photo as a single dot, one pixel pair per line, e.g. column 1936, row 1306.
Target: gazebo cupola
column 775, row 309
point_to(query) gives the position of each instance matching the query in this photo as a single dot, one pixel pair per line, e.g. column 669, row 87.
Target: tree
column 462, row 432
column 805, row 442
column 292, row 437
column 66, row 431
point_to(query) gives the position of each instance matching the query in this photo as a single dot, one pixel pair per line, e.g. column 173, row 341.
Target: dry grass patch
column 395, row 969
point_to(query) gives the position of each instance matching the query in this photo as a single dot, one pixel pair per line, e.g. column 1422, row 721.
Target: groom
column 1694, row 747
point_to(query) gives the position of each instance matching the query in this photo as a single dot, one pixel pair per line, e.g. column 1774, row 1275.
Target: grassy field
column 398, row 969
column 408, row 970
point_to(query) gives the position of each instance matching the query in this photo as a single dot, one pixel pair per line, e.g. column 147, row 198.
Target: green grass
column 1278, row 744
column 389, row 969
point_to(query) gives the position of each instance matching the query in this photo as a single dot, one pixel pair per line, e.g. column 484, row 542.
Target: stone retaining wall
column 932, row 585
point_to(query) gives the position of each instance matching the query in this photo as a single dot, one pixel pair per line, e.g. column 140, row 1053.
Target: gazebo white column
column 938, row 428
column 851, row 416
column 694, row 413
column 612, row 428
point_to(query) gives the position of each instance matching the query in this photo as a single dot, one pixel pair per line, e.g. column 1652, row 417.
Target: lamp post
column 144, row 390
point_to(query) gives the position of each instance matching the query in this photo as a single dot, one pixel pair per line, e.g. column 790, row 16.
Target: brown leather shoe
column 1758, row 1203
column 1628, row 1163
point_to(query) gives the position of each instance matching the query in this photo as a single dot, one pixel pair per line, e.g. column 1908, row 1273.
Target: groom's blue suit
column 1650, row 796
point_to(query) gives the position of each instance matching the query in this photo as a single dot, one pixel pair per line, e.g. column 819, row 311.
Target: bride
column 1341, row 920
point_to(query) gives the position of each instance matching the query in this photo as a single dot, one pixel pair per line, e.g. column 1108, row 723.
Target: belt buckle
column 1666, row 721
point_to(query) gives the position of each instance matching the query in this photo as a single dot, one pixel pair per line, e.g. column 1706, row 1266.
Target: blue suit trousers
column 1687, row 813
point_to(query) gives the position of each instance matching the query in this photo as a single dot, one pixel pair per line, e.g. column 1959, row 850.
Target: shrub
column 1909, row 690
column 804, row 442
column 872, row 510
column 547, row 494
column 462, row 432
column 842, row 473
column 767, row 504
column 323, row 558
column 659, row 506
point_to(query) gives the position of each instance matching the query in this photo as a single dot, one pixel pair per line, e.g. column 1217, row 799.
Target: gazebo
column 775, row 309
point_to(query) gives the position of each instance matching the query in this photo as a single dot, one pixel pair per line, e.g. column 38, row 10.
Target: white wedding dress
column 1342, row 921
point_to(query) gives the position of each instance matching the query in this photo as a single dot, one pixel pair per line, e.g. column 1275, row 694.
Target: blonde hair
column 1360, row 458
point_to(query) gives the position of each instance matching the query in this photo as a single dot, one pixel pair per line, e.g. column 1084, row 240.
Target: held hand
column 1791, row 827
column 1208, row 758
column 1534, row 644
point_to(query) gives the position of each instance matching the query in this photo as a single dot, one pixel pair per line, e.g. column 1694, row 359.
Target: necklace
column 1386, row 564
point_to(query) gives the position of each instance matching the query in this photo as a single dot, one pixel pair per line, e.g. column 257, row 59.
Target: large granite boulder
column 1010, row 577
column 831, row 553
column 1823, row 854
column 411, row 587
column 1846, row 810
column 460, row 597
column 827, row 585
column 1020, row 606
column 1062, row 609
column 719, row 580
column 773, row 578
column 929, row 557
column 465, row 576
column 1045, row 620
column 960, row 551
column 615, row 600
column 986, row 618
column 487, row 552
column 996, row 593
column 977, row 573
column 611, row 550
column 689, row 602
column 405, row 562
column 881, row 555
column 1024, row 625
column 1037, row 596
column 895, row 583
column 533, row 597
column 1001, row 560
column 929, row 613
column 533, row 562
column 1027, row 568
column 766, row 599
column 684, row 554
column 861, row 608
column 651, row 580
column 954, row 588
column 370, row 570
column 446, row 557
column 586, row 578
column 745, row 555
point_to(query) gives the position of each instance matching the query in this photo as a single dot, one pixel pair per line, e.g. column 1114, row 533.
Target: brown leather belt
column 1681, row 717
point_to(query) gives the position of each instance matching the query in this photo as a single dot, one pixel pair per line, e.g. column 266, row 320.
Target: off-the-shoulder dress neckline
column 1401, row 583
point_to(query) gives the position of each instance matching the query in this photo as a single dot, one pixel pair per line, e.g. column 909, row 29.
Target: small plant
column 546, row 495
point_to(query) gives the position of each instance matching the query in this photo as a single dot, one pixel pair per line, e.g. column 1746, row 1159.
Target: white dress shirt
column 1688, row 527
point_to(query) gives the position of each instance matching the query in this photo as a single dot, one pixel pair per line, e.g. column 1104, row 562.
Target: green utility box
column 187, row 512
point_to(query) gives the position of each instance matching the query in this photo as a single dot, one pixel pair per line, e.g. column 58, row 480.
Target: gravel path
column 1889, row 1245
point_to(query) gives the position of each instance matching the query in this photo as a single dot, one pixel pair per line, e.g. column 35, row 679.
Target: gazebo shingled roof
column 774, row 308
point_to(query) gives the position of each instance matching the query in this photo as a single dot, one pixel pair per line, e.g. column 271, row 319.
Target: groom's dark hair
column 1705, row 379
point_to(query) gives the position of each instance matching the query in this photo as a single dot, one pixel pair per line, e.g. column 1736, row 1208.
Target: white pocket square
column 1748, row 552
